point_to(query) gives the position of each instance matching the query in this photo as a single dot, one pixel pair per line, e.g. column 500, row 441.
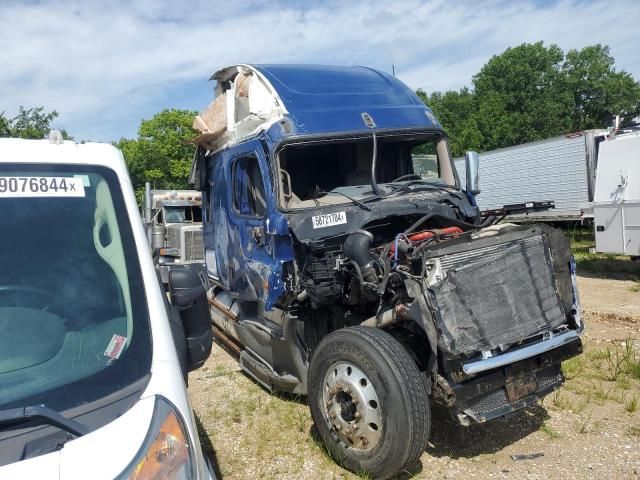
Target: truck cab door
column 252, row 265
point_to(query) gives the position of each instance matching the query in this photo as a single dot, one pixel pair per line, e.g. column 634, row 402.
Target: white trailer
column 617, row 196
column 560, row 169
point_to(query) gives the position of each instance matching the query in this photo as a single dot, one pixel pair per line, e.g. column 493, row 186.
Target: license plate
column 329, row 219
column 521, row 386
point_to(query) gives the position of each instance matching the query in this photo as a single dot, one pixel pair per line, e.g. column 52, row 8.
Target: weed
column 631, row 405
column 582, row 426
column 596, row 355
column 561, row 401
column 634, row 430
column 573, row 367
column 631, row 360
column 546, row 428
column 623, row 382
column 600, row 394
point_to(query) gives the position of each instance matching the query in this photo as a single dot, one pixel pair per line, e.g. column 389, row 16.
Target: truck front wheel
column 368, row 401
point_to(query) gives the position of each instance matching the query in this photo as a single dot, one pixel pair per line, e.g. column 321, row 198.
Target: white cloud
column 105, row 66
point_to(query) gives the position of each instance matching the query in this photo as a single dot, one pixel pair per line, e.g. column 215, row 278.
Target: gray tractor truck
column 173, row 223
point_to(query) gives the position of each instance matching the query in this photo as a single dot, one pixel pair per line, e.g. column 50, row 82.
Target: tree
column 456, row 111
column 161, row 154
column 32, row 123
column 5, row 126
column 599, row 91
column 522, row 95
column 532, row 92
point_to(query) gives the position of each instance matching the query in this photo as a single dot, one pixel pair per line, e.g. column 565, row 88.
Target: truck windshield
column 73, row 314
column 182, row 214
column 312, row 173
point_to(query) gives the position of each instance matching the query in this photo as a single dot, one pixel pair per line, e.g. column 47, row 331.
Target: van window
column 73, row 311
column 248, row 190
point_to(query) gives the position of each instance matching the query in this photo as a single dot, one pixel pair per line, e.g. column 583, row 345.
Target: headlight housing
column 166, row 452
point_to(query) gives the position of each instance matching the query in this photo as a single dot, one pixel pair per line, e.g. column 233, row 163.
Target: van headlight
column 166, row 452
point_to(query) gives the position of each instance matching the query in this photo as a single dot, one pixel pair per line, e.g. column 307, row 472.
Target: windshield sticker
column 85, row 179
column 329, row 219
column 11, row 187
column 115, row 347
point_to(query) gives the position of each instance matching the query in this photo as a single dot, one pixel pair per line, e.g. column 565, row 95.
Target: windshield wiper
column 405, row 187
column 355, row 201
column 47, row 414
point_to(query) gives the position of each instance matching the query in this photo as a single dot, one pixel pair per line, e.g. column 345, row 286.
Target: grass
column 631, row 405
column 573, row 367
column 634, row 430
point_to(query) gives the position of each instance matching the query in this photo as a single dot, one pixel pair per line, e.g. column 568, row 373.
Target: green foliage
column 599, row 90
column 32, row 123
column 161, row 154
column 5, row 126
column 532, row 92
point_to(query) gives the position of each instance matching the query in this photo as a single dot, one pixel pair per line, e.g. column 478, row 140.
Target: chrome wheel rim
column 351, row 406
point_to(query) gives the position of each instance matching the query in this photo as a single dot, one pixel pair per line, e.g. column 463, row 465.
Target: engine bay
column 485, row 288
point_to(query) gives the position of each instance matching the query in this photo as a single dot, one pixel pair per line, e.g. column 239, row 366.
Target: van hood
column 108, row 450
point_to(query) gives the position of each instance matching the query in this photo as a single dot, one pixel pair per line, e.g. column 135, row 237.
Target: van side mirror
column 189, row 298
column 472, row 164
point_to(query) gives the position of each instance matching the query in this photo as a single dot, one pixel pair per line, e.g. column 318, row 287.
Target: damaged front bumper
column 504, row 390
column 507, row 311
column 549, row 343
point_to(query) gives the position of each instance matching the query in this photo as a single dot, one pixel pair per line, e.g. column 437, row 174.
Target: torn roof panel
column 315, row 99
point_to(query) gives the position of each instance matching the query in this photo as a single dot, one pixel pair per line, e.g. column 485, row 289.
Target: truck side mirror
column 189, row 297
column 472, row 164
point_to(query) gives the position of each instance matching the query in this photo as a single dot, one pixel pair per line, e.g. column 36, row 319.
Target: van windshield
column 73, row 316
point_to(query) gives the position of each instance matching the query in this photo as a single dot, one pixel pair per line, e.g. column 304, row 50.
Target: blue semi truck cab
column 347, row 262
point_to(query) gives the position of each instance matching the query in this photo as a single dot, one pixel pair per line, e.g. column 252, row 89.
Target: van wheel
column 368, row 401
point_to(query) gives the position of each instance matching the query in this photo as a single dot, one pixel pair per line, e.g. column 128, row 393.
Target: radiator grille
column 193, row 245
column 497, row 295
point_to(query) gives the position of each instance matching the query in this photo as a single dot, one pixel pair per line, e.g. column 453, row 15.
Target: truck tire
column 368, row 401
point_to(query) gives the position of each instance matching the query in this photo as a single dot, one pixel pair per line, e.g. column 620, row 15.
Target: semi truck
column 561, row 170
column 349, row 263
column 173, row 222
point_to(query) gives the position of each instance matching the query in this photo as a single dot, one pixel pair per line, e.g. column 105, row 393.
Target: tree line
column 33, row 123
column 532, row 92
column 527, row 93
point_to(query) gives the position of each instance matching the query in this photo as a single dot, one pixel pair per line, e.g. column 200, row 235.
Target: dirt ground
column 590, row 428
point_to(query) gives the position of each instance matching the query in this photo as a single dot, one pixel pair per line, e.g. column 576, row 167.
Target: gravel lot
column 590, row 428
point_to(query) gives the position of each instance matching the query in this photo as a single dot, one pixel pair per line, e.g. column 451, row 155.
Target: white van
column 92, row 357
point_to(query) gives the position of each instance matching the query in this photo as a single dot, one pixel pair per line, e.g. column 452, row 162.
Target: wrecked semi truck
column 347, row 262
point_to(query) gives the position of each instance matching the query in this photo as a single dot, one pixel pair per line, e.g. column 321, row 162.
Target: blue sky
column 106, row 65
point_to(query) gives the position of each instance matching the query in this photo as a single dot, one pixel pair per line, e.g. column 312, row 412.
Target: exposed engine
column 488, row 286
column 365, row 275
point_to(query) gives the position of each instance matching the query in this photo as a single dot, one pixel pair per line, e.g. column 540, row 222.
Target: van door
column 249, row 262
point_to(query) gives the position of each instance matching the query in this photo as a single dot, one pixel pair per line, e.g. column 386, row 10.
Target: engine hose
column 449, row 221
column 387, row 269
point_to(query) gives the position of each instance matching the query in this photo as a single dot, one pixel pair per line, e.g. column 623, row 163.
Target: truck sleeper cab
column 92, row 360
column 348, row 264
